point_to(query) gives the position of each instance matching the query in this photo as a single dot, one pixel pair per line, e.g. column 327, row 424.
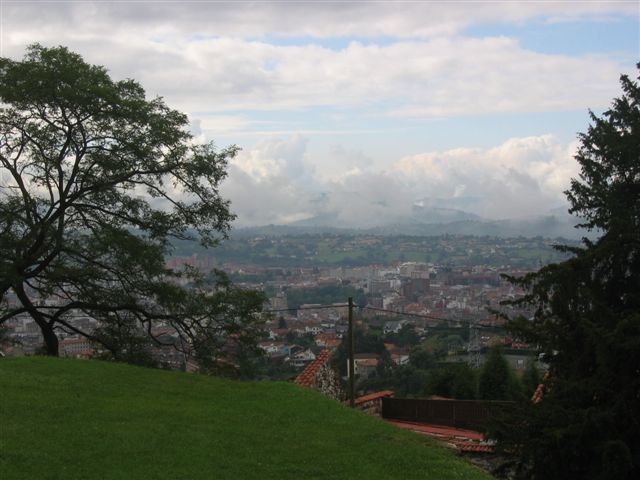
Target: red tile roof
column 308, row 376
column 438, row 397
column 438, row 430
column 539, row 393
column 468, row 441
column 468, row 447
column 374, row 396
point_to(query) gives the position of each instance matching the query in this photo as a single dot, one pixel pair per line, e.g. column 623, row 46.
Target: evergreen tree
column 497, row 381
column 587, row 319
column 530, row 379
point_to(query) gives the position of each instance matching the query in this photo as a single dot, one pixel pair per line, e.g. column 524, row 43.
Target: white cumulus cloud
column 273, row 183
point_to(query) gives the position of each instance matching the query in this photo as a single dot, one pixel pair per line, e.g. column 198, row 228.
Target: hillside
column 71, row 419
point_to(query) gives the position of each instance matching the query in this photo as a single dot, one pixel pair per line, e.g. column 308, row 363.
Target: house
column 76, row 347
column 341, row 330
column 400, row 358
column 364, row 364
column 303, row 358
column 393, row 326
column 273, row 348
column 326, row 340
column 313, row 329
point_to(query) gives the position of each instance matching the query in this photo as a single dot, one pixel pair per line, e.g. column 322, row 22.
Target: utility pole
column 352, row 380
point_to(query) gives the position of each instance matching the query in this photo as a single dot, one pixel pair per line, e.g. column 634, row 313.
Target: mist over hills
column 432, row 218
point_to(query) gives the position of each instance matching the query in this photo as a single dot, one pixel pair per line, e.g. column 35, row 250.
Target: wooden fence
column 472, row 414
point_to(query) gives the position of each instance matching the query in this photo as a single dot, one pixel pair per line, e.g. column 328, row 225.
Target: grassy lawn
column 67, row 419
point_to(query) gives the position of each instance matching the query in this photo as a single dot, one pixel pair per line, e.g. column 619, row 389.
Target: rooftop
column 307, row 377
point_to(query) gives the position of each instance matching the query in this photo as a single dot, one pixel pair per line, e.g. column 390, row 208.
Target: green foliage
column 453, row 380
column 422, row 358
column 404, row 380
column 587, row 318
column 77, row 419
column 440, row 343
column 406, row 337
column 409, row 381
column 497, row 381
column 98, row 181
column 125, row 342
column 530, row 379
column 288, row 248
column 306, row 340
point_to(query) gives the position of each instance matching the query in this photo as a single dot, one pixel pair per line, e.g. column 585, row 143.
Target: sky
column 357, row 111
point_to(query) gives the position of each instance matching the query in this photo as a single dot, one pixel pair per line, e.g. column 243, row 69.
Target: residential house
column 364, row 364
column 303, row 358
column 79, row 347
column 393, row 326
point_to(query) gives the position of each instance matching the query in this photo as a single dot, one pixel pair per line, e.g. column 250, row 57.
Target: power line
column 395, row 312
column 319, row 307
column 419, row 315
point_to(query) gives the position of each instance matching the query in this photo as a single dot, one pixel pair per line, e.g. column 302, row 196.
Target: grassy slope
column 87, row 419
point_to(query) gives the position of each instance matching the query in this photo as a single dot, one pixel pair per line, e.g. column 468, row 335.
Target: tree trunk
column 50, row 340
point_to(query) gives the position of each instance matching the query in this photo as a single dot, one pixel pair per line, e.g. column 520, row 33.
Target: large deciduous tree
column 587, row 318
column 96, row 181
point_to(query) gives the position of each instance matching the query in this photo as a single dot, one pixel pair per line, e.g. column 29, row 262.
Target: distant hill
column 77, row 419
column 432, row 217
column 550, row 226
column 435, row 222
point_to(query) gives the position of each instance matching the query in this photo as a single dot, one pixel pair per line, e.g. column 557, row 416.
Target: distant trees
column 453, row 380
column 497, row 380
column 406, row 380
column 406, row 337
column 422, row 358
column 587, row 318
column 96, row 181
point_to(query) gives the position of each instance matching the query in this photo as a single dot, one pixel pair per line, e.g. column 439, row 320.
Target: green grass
column 67, row 419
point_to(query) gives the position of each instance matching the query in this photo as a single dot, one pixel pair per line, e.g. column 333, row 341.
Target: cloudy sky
column 359, row 110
